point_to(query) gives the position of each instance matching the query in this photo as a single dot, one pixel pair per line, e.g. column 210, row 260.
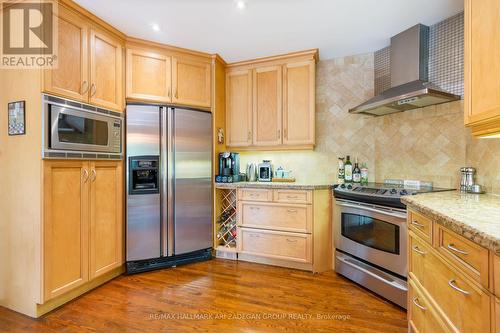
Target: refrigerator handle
column 164, row 186
column 171, row 181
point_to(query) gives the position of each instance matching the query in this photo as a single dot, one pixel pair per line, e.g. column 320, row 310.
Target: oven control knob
column 393, row 191
column 342, row 186
column 403, row 192
column 349, row 187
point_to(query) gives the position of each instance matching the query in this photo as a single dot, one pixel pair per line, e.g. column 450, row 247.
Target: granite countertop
column 473, row 216
column 277, row 185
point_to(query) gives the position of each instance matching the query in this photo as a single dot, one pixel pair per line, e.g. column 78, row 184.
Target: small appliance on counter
column 251, row 172
column 229, row 168
column 265, row 171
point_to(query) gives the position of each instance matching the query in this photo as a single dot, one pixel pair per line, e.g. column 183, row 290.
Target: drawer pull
column 418, row 225
column 291, row 240
column 416, row 249
column 417, row 304
column 254, row 208
column 254, row 236
column 454, row 249
column 291, row 210
column 292, row 197
column 252, row 194
column 452, row 283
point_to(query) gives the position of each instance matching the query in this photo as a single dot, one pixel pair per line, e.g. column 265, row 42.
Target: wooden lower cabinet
column 445, row 283
column 422, row 316
column 83, row 223
column 65, row 227
column 106, row 217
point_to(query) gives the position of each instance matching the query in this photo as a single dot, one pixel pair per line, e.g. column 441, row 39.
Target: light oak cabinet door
column 65, row 226
column 299, row 103
column 191, row 82
column 239, row 108
column 106, row 68
column 267, row 106
column 482, row 68
column 148, row 76
column 70, row 78
column 106, row 220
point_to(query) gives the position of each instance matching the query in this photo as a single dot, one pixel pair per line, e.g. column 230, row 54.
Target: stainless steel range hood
column 410, row 88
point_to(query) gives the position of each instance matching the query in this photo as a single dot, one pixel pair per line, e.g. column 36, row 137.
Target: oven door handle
column 372, row 209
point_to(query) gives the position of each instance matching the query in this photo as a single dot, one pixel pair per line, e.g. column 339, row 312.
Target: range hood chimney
column 410, row 89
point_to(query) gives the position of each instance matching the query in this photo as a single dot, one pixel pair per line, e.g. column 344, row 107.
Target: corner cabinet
column 482, row 68
column 90, row 63
column 83, row 224
column 280, row 92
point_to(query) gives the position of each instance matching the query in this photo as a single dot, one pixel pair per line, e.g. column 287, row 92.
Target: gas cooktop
column 386, row 194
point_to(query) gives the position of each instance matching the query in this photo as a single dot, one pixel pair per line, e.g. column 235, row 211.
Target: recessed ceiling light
column 241, row 4
column 155, row 26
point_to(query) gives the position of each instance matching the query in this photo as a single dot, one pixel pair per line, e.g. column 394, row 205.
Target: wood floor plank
column 220, row 296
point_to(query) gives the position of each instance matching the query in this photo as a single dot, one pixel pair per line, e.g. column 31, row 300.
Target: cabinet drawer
column 275, row 244
column 421, row 225
column 418, row 250
column 422, row 317
column 462, row 301
column 285, row 217
column 255, row 194
column 293, row 196
column 473, row 259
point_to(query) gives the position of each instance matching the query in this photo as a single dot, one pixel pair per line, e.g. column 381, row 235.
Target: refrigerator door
column 192, row 180
column 143, row 210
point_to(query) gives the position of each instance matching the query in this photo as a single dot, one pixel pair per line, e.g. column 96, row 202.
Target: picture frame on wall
column 17, row 118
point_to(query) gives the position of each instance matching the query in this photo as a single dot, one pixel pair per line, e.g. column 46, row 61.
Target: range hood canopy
column 410, row 88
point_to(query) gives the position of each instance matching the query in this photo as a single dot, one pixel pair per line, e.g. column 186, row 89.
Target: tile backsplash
column 427, row 144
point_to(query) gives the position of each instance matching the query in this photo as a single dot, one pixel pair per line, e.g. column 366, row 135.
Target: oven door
column 73, row 129
column 372, row 233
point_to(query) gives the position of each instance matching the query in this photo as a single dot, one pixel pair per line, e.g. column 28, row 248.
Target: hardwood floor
column 220, row 296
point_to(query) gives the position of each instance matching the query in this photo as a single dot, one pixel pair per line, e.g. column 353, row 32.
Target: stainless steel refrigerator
column 169, row 186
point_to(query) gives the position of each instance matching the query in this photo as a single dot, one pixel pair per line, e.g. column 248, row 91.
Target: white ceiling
column 268, row 27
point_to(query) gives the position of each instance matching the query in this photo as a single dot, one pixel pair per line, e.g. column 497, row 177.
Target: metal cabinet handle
column 168, row 93
column 252, row 194
column 291, row 210
column 254, row 208
column 416, row 249
column 176, row 93
column 452, row 247
column 279, row 134
column 85, row 175
column 418, row 225
column 93, row 175
column 452, row 283
column 417, row 304
column 285, row 133
column 291, row 196
column 291, row 240
column 85, row 87
column 254, row 236
column 93, row 90
column 249, row 135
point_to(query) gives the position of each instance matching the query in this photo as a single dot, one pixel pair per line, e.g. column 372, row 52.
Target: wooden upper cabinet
column 106, row 218
column 191, row 82
column 70, row 78
column 482, row 68
column 106, row 71
column 267, row 106
column 299, row 103
column 239, row 108
column 148, row 76
column 65, row 227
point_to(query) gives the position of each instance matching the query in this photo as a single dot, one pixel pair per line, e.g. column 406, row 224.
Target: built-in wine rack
column 226, row 221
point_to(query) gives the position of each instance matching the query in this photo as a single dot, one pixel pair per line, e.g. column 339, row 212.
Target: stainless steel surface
column 251, row 172
column 380, row 282
column 467, row 179
column 53, row 147
column 265, row 171
column 169, row 114
column 192, row 180
column 396, row 263
column 143, row 211
column 410, row 89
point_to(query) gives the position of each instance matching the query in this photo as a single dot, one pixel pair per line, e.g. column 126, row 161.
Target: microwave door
column 81, row 131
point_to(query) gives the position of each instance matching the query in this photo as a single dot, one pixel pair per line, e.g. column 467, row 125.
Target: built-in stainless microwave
column 75, row 130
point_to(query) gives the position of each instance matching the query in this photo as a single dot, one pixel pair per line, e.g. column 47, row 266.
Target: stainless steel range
column 370, row 233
